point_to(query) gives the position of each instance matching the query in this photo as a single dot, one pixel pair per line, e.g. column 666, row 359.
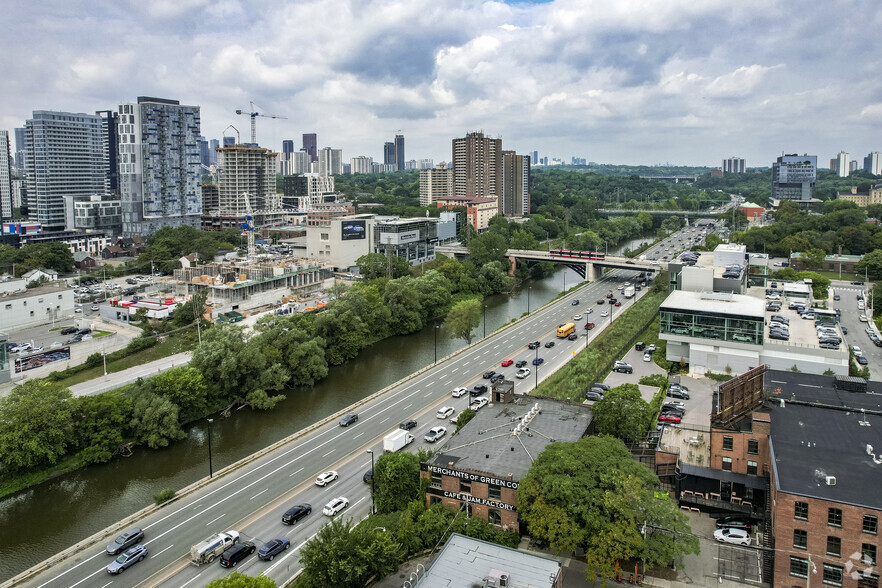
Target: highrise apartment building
column 399, row 152
column 110, row 136
column 734, row 165
column 515, row 184
column 389, row 153
column 19, row 148
column 159, row 164
column 873, row 163
column 245, row 169
column 839, row 164
column 361, row 165
column 477, row 166
column 794, row 176
column 287, row 148
column 310, row 144
column 5, row 178
column 435, row 183
column 65, row 156
column 213, row 146
column 330, row 161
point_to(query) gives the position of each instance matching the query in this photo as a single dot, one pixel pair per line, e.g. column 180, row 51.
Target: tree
column 237, row 580
column 185, row 387
column 464, row 318
column 373, row 266
column 493, row 278
column 35, row 422
column 396, row 480
column 344, row 334
column 592, row 494
column 405, row 307
column 871, row 264
column 487, row 247
column 100, row 421
column 155, row 420
column 813, row 258
column 622, row 413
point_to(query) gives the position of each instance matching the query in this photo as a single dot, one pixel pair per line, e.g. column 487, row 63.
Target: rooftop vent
column 831, row 480
column 497, row 578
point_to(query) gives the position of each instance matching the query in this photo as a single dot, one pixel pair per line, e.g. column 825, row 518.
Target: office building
column 515, row 184
column 863, row 199
column 287, row 148
column 839, row 164
column 204, row 153
column 435, row 183
column 20, row 148
column 330, row 161
column 5, row 178
column 213, row 146
column 229, row 141
column 389, row 153
column 310, row 144
column 425, row 164
column 477, row 166
column 245, row 169
column 872, row 163
column 794, row 177
column 733, row 165
column 65, row 156
column 159, row 162
column 361, row 165
column 399, row 152
column 535, row 158
column 852, row 166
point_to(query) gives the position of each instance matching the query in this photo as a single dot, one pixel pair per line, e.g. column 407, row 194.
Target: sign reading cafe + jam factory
column 469, row 476
column 470, row 498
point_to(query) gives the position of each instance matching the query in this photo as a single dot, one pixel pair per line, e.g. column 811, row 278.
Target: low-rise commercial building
column 22, row 307
column 479, row 211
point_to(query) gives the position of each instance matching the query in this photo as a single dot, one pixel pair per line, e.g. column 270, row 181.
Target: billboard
column 399, row 238
column 23, row 364
column 353, row 229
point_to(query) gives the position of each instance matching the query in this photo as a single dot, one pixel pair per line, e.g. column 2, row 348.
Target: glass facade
column 707, row 325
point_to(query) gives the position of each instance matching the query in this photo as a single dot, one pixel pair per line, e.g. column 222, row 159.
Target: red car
column 669, row 418
column 589, row 326
column 609, row 295
column 617, row 304
column 507, row 363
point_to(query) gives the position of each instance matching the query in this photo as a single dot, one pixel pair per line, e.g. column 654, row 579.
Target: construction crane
column 254, row 114
column 248, row 226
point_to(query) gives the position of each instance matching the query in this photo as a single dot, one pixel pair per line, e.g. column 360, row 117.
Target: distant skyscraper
column 330, row 161
column 389, row 153
column 515, row 184
column 19, row 148
column 213, row 146
column 399, row 152
column 435, row 183
column 852, row 166
column 229, row 141
column 477, row 166
column 65, row 156
column 794, row 176
column 361, row 165
column 5, row 178
column 160, row 173
column 873, row 163
column 310, row 143
column 535, row 158
column 839, row 164
column 110, row 134
column 287, row 148
column 204, row 154
column 733, row 165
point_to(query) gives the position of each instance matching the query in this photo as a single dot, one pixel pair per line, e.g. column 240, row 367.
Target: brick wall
column 740, row 445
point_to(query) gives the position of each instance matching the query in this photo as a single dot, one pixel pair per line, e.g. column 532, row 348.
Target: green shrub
column 657, row 380
column 718, row 377
column 164, row 495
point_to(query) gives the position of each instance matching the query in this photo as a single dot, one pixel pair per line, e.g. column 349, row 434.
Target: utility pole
column 388, row 258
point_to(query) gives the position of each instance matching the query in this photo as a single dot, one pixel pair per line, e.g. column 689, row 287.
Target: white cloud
column 740, row 82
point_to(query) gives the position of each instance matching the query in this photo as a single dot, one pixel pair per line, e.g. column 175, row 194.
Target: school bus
column 564, row 331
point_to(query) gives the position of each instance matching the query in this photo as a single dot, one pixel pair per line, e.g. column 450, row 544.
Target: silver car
column 129, row 558
column 126, row 540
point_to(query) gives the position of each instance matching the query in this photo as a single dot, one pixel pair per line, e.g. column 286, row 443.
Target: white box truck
column 212, row 547
column 396, row 440
column 628, row 292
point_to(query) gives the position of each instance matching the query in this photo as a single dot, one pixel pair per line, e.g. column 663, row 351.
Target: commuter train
column 589, row 255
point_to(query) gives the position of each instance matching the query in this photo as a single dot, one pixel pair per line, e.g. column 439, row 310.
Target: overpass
column 665, row 213
column 590, row 270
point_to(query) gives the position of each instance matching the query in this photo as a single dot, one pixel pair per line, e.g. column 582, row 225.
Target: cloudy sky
column 615, row 81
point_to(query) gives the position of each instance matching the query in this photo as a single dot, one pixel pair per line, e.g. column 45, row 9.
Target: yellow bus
column 564, row 331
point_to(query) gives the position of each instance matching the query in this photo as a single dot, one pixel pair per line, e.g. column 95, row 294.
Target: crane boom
column 253, row 113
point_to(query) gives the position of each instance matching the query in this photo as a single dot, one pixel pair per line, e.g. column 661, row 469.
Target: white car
column 335, row 506
column 863, row 318
column 773, row 297
column 522, row 373
column 460, row 392
column 861, row 306
column 604, row 313
column 734, row 536
column 326, row 478
column 444, row 412
column 647, row 357
column 578, row 317
column 589, row 310
column 856, row 350
column 479, row 403
column 21, row 348
column 675, row 404
column 621, row 287
column 78, row 309
column 651, row 348
column 435, row 433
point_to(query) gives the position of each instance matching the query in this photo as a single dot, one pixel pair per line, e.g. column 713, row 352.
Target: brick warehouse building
column 483, row 463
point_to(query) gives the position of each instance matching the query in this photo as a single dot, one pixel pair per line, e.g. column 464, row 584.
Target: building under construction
column 251, row 285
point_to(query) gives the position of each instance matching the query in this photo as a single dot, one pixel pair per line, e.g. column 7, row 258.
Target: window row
column 870, row 523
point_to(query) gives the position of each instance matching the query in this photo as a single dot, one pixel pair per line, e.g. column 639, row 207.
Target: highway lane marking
column 359, row 435
column 213, row 520
column 259, row 493
column 329, row 453
column 384, row 420
column 808, row 386
column 161, row 552
column 408, row 406
column 108, row 584
column 71, row 569
column 87, row 577
column 191, row 579
column 198, row 505
column 297, row 472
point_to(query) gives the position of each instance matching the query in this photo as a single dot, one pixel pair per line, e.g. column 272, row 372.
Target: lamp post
column 210, row 468
column 536, row 367
column 436, row 342
column 528, row 298
column 485, row 321
column 373, row 508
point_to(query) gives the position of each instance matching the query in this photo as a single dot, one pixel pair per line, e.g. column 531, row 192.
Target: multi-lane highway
column 251, row 498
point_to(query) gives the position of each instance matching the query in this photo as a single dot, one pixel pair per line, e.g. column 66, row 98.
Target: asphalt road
column 252, row 498
column 849, row 317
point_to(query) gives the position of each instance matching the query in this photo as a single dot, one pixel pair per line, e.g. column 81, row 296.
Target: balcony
column 713, row 500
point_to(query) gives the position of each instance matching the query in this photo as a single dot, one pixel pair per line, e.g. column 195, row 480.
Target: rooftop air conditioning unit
column 831, row 480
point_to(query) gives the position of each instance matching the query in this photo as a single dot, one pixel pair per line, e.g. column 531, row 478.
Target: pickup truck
column 212, row 547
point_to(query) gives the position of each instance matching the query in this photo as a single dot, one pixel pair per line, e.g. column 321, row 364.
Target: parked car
column 435, row 433
column 676, row 393
column 506, row 362
column 623, row 368
column 669, row 418
column 674, row 403
column 734, row 536
column 600, row 385
column 295, row 513
column 593, row 395
column 444, row 412
column 862, row 360
column 273, row 548
column 126, row 540
column 127, row 559
column 335, row 506
column 349, row 419
column 647, row 356
column 408, row 424
column 68, row 330
column 733, row 522
column 326, row 478
column 459, row 392
column 95, row 307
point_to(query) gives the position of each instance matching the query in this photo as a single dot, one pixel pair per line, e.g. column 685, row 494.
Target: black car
column 600, row 385
column 640, row 346
column 534, row 345
column 131, row 281
column 593, row 395
column 488, row 375
column 549, row 344
column 677, row 393
column 733, row 522
column 862, row 360
column 126, row 540
column 613, row 300
column 623, row 368
column 572, row 336
column 408, row 424
column 237, row 553
column 836, row 297
column 668, row 409
column 74, row 339
column 84, row 331
column 273, row 548
column 600, row 301
column 349, row 419
column 68, row 330
column 496, row 378
column 368, row 476
column 295, row 513
column 478, row 390
column 858, row 283
column 575, row 302
column 521, row 363
column 876, row 341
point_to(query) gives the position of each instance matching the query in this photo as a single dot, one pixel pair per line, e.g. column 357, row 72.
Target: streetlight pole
column 436, row 342
column 536, row 366
column 485, row 321
column 373, row 507
column 210, row 468
column 528, row 298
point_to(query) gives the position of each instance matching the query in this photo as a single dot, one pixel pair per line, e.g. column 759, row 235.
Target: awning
column 724, row 476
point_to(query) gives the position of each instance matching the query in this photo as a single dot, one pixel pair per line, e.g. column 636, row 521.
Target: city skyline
column 690, row 84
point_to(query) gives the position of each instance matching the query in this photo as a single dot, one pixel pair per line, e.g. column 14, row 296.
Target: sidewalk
column 127, row 376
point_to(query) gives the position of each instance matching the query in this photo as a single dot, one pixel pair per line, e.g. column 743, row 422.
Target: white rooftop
column 716, row 302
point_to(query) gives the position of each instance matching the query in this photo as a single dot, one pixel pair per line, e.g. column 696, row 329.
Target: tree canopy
column 622, row 413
